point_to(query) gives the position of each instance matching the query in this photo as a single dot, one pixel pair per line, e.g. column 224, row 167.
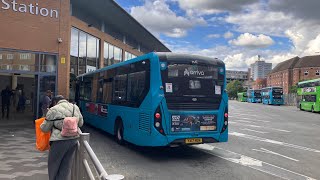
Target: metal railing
column 86, row 160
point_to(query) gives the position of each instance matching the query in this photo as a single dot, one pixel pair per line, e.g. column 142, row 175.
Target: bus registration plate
column 193, row 140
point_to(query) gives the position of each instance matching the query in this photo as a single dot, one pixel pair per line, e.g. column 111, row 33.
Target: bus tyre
column 119, row 132
column 312, row 109
column 301, row 108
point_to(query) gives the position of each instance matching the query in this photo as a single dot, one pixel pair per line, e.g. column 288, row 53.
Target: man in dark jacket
column 6, row 96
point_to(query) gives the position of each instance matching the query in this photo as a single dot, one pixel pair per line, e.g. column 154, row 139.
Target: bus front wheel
column 119, row 129
column 301, row 108
column 312, row 109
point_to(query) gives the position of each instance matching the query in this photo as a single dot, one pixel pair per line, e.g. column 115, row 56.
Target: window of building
column 318, row 73
column 129, row 56
column 84, row 52
column 306, row 73
column 112, row 54
column 28, row 61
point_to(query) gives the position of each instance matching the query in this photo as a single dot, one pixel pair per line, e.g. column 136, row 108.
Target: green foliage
column 234, row 87
column 293, row 89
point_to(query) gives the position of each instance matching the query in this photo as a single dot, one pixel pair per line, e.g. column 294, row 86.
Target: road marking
column 252, row 163
column 271, row 152
column 253, row 119
column 261, row 132
column 243, row 121
column 273, row 142
column 255, row 126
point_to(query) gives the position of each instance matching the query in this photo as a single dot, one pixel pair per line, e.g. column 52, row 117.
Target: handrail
column 81, row 168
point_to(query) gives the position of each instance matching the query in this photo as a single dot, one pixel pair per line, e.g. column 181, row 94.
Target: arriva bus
column 309, row 95
column 158, row 99
column 254, row 96
column 272, row 95
column 242, row 97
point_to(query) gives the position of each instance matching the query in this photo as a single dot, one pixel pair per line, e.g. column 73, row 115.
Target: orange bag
column 42, row 138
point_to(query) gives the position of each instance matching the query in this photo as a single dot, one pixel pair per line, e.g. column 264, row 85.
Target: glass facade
column 112, row 54
column 84, row 52
column 128, row 56
column 27, row 62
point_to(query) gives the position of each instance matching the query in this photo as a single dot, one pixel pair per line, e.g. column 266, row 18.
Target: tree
column 234, row 87
column 293, row 89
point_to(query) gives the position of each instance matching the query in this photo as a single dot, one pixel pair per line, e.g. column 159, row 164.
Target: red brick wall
column 25, row 31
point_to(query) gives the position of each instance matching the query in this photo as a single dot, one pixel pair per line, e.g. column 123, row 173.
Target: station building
column 45, row 44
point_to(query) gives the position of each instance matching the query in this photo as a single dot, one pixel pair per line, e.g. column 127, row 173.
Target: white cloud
column 213, row 36
column 313, row 47
column 213, row 6
column 262, row 21
column 228, row 35
column 252, row 41
column 157, row 16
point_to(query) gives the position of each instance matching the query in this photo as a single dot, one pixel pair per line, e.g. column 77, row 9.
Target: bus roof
column 180, row 57
column 309, row 81
column 272, row 87
column 162, row 55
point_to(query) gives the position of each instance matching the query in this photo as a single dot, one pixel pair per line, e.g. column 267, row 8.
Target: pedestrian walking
column 6, row 96
column 45, row 103
column 62, row 148
column 21, row 102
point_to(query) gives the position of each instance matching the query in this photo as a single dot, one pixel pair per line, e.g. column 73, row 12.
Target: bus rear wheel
column 119, row 129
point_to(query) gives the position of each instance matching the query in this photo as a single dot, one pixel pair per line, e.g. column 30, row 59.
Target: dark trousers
column 61, row 156
column 5, row 106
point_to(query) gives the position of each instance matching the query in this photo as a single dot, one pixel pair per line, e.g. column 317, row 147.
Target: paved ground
column 19, row 158
column 265, row 142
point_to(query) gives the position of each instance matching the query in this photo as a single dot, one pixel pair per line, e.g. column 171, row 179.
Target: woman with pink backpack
column 63, row 120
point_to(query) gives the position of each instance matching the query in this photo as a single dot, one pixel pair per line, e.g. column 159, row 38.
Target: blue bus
column 254, row 96
column 272, row 95
column 158, row 99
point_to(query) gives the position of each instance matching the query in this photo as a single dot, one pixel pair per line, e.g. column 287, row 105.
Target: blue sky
column 234, row 31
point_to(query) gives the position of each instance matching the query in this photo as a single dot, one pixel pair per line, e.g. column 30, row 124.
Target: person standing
column 6, row 96
column 46, row 101
column 62, row 148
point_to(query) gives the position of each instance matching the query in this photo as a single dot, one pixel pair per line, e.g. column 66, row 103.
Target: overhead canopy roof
column 109, row 11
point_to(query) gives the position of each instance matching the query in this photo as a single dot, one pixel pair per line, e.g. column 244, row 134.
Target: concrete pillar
column 14, row 81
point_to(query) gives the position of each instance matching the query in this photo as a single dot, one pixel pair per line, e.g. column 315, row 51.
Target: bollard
column 82, row 155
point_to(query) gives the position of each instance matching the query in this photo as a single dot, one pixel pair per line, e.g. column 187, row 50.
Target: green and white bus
column 242, row 96
column 309, row 95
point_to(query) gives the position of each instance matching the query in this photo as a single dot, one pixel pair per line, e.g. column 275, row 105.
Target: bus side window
column 87, row 88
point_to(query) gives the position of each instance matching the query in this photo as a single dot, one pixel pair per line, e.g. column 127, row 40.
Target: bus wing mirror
column 161, row 87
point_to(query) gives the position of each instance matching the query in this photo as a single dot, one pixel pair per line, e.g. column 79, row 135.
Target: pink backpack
column 70, row 126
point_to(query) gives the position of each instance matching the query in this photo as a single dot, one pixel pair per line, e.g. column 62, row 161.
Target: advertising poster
column 189, row 123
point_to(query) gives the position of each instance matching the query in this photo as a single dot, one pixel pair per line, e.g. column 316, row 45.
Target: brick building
column 288, row 73
column 44, row 43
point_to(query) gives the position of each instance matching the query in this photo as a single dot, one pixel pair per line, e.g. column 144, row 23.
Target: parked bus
column 242, row 97
column 272, row 95
column 309, row 93
column 158, row 99
column 254, row 96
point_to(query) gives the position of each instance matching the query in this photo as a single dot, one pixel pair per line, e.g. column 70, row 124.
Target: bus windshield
column 257, row 93
column 277, row 91
column 188, row 86
column 194, row 80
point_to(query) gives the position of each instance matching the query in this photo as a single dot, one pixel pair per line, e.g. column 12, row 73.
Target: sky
column 235, row 31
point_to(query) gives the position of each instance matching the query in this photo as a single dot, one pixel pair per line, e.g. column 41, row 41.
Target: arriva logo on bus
column 33, row 9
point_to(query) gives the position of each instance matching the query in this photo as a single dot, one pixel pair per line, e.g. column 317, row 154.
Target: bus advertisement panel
column 254, row 96
column 272, row 95
column 158, row 99
column 308, row 95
